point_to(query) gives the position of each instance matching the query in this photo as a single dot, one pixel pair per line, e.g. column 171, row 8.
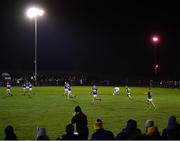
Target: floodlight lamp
column 41, row 12
column 34, row 12
column 156, row 66
column 155, row 39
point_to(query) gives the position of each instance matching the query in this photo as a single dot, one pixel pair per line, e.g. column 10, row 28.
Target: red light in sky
column 156, row 66
column 155, row 39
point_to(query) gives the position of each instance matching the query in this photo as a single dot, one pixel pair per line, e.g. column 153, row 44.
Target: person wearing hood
column 172, row 131
column 80, row 119
column 130, row 132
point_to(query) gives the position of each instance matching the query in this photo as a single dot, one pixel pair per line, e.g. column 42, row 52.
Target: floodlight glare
column 34, row 12
column 156, row 66
column 155, row 39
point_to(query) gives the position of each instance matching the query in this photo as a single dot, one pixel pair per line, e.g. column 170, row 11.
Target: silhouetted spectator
column 152, row 132
column 172, row 131
column 130, row 132
column 101, row 133
column 81, row 123
column 41, row 135
column 69, row 133
column 9, row 132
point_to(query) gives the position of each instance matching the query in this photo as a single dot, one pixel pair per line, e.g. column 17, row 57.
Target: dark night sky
column 107, row 37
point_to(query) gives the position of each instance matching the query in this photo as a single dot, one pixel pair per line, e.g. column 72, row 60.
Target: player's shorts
column 69, row 92
column 66, row 90
column 128, row 93
column 116, row 90
column 8, row 90
column 94, row 95
column 30, row 89
column 27, row 87
column 149, row 99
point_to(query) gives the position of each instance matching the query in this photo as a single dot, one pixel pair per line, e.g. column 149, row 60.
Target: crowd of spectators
column 82, row 80
column 130, row 132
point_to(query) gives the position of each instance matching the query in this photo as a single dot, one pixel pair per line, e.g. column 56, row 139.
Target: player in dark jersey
column 24, row 88
column 68, row 92
column 128, row 91
column 27, row 85
column 8, row 89
column 150, row 99
column 94, row 94
column 30, row 89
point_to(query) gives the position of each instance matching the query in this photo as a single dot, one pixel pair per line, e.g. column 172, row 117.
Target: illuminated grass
column 48, row 108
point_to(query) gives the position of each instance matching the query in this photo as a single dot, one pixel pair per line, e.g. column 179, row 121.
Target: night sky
column 92, row 36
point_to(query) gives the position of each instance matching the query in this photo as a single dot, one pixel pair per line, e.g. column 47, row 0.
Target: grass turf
column 48, row 108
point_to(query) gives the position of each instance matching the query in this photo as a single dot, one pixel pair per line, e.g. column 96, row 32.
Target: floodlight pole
column 34, row 12
column 155, row 41
column 35, row 61
column 155, row 58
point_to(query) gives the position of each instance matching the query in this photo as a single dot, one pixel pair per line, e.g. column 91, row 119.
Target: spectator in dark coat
column 130, row 132
column 101, row 133
column 41, row 135
column 9, row 133
column 172, row 131
column 81, row 123
column 69, row 133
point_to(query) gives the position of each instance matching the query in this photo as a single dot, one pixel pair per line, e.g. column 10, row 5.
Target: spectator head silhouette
column 9, row 130
column 150, row 127
column 101, row 133
column 70, row 129
column 152, row 131
column 41, row 135
column 131, row 124
column 172, row 131
column 172, row 123
column 98, row 124
column 10, row 135
column 78, row 109
column 41, row 132
column 149, row 123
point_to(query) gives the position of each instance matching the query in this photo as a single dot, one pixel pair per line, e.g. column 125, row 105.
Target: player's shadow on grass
column 5, row 96
column 139, row 101
column 74, row 101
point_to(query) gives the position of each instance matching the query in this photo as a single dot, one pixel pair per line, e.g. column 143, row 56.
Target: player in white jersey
column 116, row 90
column 128, row 91
column 66, row 88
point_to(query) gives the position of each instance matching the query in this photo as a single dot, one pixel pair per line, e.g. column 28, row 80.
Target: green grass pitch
column 48, row 108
